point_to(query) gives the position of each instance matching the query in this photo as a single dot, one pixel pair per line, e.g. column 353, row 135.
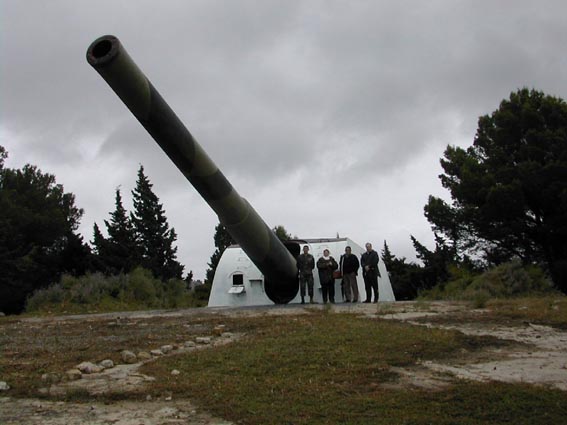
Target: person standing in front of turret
column 370, row 272
column 305, row 266
column 327, row 265
column 349, row 270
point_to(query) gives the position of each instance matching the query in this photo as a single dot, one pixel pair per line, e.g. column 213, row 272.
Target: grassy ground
column 335, row 369
column 30, row 349
column 318, row 367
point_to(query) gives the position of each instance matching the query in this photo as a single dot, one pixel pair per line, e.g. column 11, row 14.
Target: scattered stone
column 144, row 355
column 51, row 378
column 107, row 364
column 175, row 372
column 203, row 340
column 166, row 348
column 148, row 398
column 4, row 386
column 218, row 330
column 88, row 368
column 73, row 374
column 2, row 314
column 128, row 357
column 227, row 335
column 156, row 353
column 189, row 344
column 168, row 398
column 168, row 412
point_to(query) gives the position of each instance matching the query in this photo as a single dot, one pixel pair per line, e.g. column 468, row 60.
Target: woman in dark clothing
column 326, row 265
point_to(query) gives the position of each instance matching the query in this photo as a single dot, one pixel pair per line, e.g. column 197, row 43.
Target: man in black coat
column 370, row 272
column 305, row 266
column 349, row 270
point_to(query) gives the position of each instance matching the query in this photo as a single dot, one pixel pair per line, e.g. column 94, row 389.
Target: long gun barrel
column 112, row 62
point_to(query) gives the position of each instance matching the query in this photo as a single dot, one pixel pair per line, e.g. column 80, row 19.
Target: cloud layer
column 328, row 116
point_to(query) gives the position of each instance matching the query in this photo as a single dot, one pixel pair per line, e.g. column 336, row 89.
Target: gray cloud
column 331, row 96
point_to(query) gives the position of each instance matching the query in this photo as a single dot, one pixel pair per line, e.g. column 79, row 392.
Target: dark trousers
column 328, row 291
column 370, row 284
column 306, row 279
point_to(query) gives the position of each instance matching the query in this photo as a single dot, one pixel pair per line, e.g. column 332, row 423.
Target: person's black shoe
column 366, row 301
column 375, row 301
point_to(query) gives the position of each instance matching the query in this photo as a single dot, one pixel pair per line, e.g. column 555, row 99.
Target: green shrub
column 504, row 281
column 141, row 287
column 136, row 290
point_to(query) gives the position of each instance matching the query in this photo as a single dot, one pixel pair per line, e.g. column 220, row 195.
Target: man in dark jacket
column 327, row 265
column 349, row 270
column 305, row 266
column 369, row 263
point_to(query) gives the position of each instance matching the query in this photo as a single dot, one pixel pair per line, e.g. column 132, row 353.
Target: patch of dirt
column 122, row 378
column 530, row 353
column 30, row 411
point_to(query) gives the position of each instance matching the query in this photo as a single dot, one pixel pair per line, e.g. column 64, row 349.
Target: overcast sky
column 328, row 116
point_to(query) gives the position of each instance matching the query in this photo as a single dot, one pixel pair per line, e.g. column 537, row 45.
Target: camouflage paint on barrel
column 112, row 62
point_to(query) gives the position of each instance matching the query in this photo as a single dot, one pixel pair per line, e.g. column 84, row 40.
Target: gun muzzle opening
column 103, row 50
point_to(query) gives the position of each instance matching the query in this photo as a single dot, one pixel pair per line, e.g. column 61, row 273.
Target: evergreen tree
column 509, row 189
column 99, row 251
column 282, row 233
column 223, row 240
column 38, row 240
column 404, row 277
column 122, row 251
column 435, row 263
column 153, row 235
column 3, row 156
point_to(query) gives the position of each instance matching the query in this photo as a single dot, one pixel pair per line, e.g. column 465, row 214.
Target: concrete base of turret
column 238, row 282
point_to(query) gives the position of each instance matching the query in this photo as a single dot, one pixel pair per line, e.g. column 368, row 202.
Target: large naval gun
column 109, row 58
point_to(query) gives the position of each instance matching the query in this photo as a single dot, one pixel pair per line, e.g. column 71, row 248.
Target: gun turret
column 112, row 62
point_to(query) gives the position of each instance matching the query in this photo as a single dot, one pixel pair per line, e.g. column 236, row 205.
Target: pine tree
column 153, row 235
column 223, row 240
column 387, row 256
column 122, row 248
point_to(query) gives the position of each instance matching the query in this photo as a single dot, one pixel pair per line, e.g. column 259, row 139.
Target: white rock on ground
column 203, row 340
column 175, row 372
column 107, row 364
column 51, row 378
column 73, row 374
column 219, row 329
column 156, row 353
column 189, row 344
column 4, row 386
column 144, row 355
column 128, row 357
column 227, row 335
column 166, row 348
column 88, row 368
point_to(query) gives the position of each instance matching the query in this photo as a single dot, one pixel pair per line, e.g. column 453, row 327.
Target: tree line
column 508, row 195
column 39, row 242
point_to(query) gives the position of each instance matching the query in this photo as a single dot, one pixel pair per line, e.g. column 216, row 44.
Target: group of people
column 346, row 269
